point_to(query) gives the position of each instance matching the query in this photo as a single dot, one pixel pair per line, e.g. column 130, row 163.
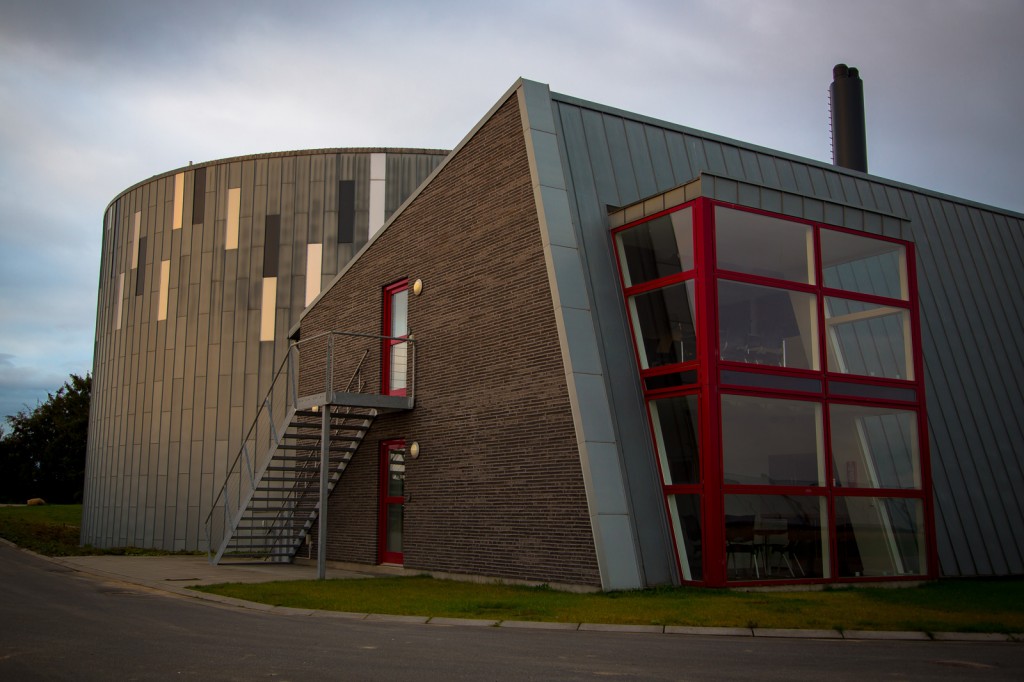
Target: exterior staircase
column 286, row 500
column 270, row 496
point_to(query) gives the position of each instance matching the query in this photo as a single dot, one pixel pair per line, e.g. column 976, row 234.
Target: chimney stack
column 849, row 140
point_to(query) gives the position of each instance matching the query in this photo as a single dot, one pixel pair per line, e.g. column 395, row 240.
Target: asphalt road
column 57, row 624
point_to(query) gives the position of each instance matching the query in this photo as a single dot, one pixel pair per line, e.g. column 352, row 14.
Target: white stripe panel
column 269, row 308
column 314, row 261
column 179, row 200
column 135, row 239
column 165, row 280
column 234, row 205
column 377, row 172
column 120, row 295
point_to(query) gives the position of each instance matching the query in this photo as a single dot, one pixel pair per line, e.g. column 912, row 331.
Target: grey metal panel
column 640, row 159
column 618, row 155
column 677, row 153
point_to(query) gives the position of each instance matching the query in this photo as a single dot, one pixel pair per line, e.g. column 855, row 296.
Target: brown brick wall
column 497, row 489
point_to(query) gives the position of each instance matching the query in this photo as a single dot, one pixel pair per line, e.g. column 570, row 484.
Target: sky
column 98, row 95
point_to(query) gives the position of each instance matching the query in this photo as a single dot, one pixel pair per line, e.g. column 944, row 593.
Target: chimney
column 849, row 141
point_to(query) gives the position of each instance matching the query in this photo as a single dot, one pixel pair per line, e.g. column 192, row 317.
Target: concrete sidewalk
column 174, row 574
column 186, row 571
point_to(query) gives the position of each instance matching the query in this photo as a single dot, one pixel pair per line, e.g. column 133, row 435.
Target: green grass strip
column 946, row 606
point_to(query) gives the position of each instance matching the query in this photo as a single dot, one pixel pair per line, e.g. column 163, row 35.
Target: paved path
column 58, row 622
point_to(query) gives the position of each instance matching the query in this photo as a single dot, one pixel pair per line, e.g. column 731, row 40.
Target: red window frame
column 710, row 386
column 389, row 342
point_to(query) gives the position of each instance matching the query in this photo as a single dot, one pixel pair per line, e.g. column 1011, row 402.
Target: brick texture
column 497, row 490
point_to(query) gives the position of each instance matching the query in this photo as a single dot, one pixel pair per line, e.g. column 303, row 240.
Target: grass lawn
column 53, row 530
column 945, row 606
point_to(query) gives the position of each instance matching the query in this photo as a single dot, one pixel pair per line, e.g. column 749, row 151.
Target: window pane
column 394, row 536
column 400, row 313
column 664, row 323
column 863, row 264
column 676, row 429
column 877, row 536
column 685, row 511
column 396, row 473
column 658, row 248
column 874, row 447
column 767, row 441
column 767, row 326
column 868, row 339
column 399, row 366
column 775, row 537
column 759, row 245
column 670, row 380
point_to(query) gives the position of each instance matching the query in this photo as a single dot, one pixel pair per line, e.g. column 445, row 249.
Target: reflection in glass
column 862, row 264
column 878, row 536
column 663, row 320
column 759, row 245
column 874, row 447
column 399, row 366
column 657, row 248
column 400, row 313
column 676, row 429
column 768, row 441
column 670, row 380
column 394, row 536
column 396, row 473
column 868, row 339
column 685, row 512
column 767, row 326
column 776, row 537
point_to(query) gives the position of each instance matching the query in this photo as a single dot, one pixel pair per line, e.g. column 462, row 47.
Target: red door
column 392, row 501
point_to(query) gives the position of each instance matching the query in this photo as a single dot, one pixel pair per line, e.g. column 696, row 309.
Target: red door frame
column 391, row 341
column 387, row 500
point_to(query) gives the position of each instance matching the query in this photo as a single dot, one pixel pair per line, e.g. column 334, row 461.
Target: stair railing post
column 325, row 452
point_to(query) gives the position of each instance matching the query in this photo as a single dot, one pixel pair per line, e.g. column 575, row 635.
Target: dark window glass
column 874, row 447
column 271, row 245
column 346, row 211
column 775, row 537
column 767, row 326
column 676, row 429
column 860, row 263
column 877, row 536
column 871, row 391
column 670, row 380
column 140, row 279
column 658, row 248
column 685, row 511
column 199, row 196
column 663, row 321
column 782, row 383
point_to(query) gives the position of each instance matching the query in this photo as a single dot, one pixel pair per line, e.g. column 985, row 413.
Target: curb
column 789, row 633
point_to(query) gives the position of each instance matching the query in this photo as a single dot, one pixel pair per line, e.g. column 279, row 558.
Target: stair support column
column 325, row 452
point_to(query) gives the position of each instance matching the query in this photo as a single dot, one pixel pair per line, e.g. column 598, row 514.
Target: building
column 204, row 270
column 598, row 349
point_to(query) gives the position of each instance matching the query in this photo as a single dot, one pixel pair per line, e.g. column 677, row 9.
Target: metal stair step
column 332, row 448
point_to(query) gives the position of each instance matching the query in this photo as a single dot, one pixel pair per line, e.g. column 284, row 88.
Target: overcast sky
column 96, row 95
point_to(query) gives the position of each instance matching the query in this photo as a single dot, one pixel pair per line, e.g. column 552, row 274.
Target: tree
column 44, row 454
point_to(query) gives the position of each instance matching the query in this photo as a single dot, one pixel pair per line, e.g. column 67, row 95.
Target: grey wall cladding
column 969, row 276
column 172, row 398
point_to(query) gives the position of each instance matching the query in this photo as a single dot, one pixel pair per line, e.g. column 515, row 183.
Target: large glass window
column 768, row 441
column 877, row 536
column 773, row 537
column 874, row 447
column 663, row 321
column 658, row 248
column 676, row 428
column 863, row 264
column 761, row 245
column 767, row 326
column 868, row 339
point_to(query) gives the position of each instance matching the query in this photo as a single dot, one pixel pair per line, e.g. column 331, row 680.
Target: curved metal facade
column 205, row 269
